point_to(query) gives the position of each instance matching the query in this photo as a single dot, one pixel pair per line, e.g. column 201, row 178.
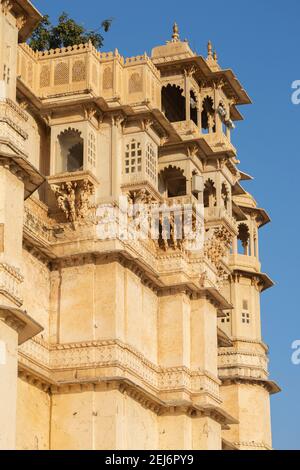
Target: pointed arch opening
column 172, row 182
column 71, row 151
column 173, row 103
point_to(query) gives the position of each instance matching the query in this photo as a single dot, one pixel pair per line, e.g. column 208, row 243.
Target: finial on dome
column 215, row 56
column 175, row 35
column 209, row 49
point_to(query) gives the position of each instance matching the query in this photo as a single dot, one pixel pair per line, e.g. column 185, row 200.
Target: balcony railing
column 186, row 129
column 219, row 142
column 244, row 262
column 219, row 213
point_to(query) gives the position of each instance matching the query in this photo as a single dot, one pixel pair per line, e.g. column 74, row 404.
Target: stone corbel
column 19, row 321
column 74, row 193
column 6, row 6
column 146, row 124
column 118, row 120
column 89, row 112
column 192, row 150
column 20, row 21
column 190, row 71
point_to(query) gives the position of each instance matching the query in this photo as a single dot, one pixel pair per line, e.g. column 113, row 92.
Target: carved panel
column 107, row 78
column 135, row 83
column 78, row 71
column 61, row 73
column 45, row 76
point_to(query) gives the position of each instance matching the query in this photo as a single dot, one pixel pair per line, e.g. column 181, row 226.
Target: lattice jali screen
column 92, row 149
column 61, row 74
column 95, row 75
column 45, row 76
column 30, row 74
column 135, row 83
column 151, row 162
column 107, row 78
column 79, row 71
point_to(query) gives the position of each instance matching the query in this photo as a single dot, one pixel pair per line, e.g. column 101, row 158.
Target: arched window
column 173, row 182
column 208, row 119
column 243, row 239
column 173, row 103
column 210, row 194
column 71, row 150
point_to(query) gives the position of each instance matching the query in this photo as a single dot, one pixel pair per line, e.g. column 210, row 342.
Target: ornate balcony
column 186, row 129
column 244, row 262
column 214, row 215
column 219, row 142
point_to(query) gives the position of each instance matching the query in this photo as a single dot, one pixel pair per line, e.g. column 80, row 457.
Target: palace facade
column 112, row 342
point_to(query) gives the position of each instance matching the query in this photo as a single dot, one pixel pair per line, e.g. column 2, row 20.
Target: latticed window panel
column 78, row 71
column 107, row 78
column 133, row 158
column 135, row 83
column 61, row 74
column 23, row 69
column 94, row 75
column 92, row 149
column 151, row 162
column 30, row 74
column 45, row 76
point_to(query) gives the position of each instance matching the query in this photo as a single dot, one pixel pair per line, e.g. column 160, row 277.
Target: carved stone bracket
column 6, row 6
column 74, row 195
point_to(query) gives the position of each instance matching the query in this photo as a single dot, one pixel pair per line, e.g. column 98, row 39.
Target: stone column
column 16, row 327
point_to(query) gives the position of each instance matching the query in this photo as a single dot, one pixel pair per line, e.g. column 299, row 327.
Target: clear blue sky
column 259, row 40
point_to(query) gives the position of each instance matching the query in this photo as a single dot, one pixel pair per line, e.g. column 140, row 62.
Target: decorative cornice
column 137, row 393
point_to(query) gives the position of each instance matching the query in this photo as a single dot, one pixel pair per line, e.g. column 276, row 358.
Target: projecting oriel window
column 151, row 162
column 133, row 157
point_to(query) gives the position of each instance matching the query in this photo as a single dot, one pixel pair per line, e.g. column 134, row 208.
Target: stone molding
column 107, row 356
column 10, row 282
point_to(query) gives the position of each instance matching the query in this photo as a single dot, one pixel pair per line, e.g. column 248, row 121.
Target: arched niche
column 70, row 154
column 243, row 239
column 172, row 182
column 173, row 103
column 210, row 194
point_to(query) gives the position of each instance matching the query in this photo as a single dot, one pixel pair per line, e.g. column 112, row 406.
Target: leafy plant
column 66, row 33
